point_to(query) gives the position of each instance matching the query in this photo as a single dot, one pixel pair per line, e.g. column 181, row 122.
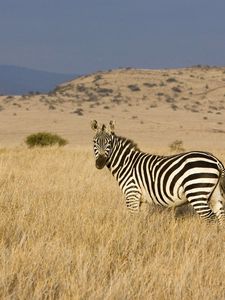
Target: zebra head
column 103, row 140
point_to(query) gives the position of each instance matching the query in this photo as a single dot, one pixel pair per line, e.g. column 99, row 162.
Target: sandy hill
column 154, row 107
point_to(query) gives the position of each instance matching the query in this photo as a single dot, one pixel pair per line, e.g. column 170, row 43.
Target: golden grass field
column 65, row 234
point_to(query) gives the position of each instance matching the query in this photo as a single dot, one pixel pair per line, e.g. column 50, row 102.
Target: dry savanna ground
column 64, row 230
column 153, row 107
column 65, row 234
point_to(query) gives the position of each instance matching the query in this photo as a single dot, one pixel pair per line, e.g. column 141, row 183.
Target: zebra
column 194, row 177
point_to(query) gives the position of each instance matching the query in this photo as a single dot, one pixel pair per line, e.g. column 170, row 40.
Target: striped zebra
column 194, row 177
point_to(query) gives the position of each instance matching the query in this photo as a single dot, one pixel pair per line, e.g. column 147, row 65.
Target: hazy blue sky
column 82, row 36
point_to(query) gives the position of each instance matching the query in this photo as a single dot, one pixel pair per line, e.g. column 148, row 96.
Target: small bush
column 81, row 88
column 160, row 94
column 78, row 111
column 43, row 139
column 162, row 83
column 177, row 146
column 150, row 85
column 174, row 106
column 134, row 87
column 176, row 89
column 104, row 91
column 171, row 79
column 97, row 77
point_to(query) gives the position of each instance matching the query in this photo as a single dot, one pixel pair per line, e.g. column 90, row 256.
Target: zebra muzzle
column 100, row 162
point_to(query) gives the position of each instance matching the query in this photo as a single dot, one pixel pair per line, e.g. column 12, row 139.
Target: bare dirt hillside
column 153, row 107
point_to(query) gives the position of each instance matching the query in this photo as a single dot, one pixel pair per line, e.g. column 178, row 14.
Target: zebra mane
column 132, row 144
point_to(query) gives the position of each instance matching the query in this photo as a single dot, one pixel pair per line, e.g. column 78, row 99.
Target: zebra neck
column 122, row 150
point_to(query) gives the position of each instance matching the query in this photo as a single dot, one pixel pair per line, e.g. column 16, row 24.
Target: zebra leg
column 133, row 201
column 202, row 208
column 216, row 203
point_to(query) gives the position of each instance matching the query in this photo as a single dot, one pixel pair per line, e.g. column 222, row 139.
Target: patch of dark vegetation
column 33, row 93
column 51, row 107
column 9, row 99
column 104, row 91
column 43, row 139
column 153, row 105
column 149, row 84
column 169, row 99
column 218, row 130
column 16, row 104
column 42, row 99
column 176, row 89
column 194, row 110
column 23, row 97
column 81, row 88
column 134, row 87
column 118, row 98
column 61, row 89
column 97, row 78
column 78, row 111
column 91, row 97
column 177, row 146
column 199, row 66
column 162, row 84
column 174, row 106
column 171, row 79
column 160, row 94
column 212, row 107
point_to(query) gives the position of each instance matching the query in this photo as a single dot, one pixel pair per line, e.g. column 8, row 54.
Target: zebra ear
column 94, row 125
column 103, row 127
column 112, row 125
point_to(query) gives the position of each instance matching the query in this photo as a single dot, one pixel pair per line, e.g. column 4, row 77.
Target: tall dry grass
column 65, row 234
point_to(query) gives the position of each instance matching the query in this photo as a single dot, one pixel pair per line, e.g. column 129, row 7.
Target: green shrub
column 43, row 139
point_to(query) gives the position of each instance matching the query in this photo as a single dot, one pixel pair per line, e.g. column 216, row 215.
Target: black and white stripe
column 194, row 177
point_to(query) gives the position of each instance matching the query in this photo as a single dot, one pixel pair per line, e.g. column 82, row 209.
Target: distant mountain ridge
column 16, row 80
